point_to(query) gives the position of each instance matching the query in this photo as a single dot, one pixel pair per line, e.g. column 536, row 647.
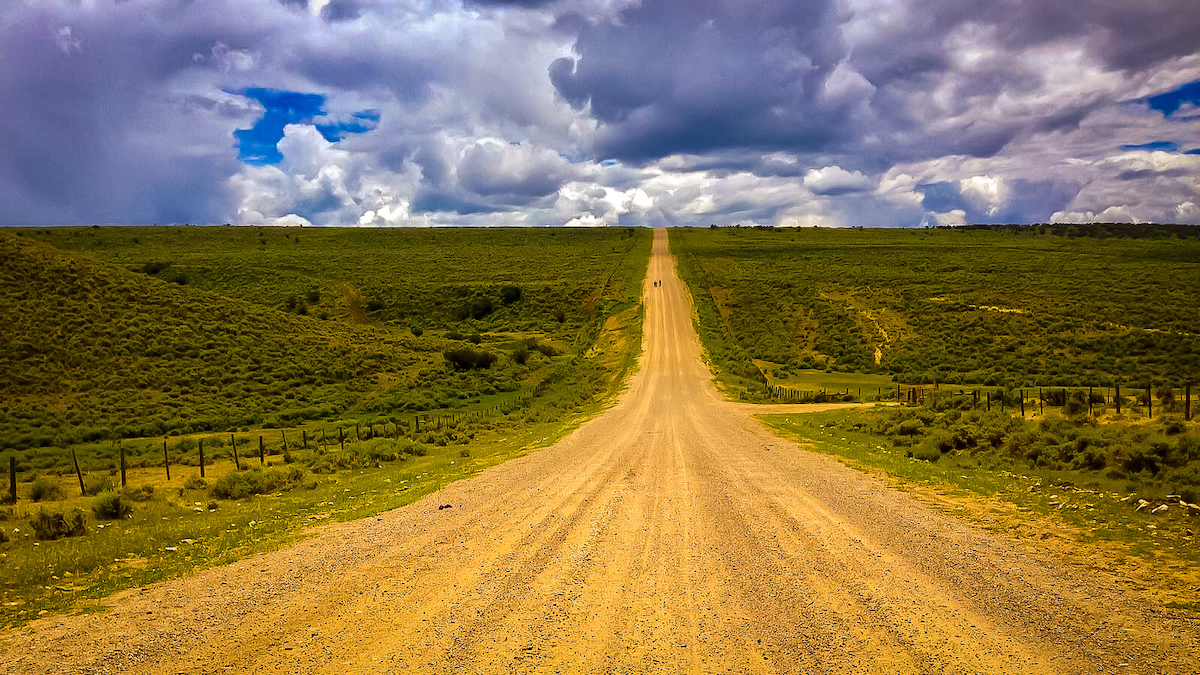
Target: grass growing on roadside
column 187, row 524
column 1024, row 500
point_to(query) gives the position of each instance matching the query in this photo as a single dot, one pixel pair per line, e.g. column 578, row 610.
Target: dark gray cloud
column 681, row 76
column 91, row 134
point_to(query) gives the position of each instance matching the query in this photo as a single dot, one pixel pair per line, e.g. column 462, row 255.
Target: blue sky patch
column 259, row 145
column 360, row 122
column 1153, row 145
column 1169, row 102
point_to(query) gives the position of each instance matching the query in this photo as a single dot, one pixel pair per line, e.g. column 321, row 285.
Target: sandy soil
column 671, row 534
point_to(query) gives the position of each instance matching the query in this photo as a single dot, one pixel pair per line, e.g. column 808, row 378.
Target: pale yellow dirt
column 670, row 534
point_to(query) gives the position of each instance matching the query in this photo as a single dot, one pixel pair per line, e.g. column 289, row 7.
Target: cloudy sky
column 593, row 112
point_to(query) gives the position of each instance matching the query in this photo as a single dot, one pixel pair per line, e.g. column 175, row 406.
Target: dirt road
column 671, row 534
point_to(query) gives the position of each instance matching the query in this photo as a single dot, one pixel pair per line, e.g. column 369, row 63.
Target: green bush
column 466, row 358
column 94, row 485
column 926, row 453
column 49, row 526
column 111, row 506
column 240, row 484
column 195, row 483
column 43, row 490
column 142, row 494
column 510, row 294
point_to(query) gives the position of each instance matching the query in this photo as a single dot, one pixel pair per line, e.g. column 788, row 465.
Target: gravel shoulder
column 673, row 533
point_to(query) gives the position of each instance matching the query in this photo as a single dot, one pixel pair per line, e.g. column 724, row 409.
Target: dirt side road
column 671, row 534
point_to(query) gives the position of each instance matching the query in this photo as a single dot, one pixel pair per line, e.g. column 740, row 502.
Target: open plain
column 670, row 534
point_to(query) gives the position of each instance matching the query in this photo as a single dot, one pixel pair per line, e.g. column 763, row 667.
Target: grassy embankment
column 1006, row 315
column 136, row 338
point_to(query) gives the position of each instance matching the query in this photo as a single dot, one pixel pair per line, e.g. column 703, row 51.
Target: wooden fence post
column 305, row 436
column 342, row 438
column 237, row 463
column 202, row 456
column 122, row 466
column 1187, row 402
column 1089, row 400
column 12, row 478
column 284, row 435
column 1149, row 403
column 357, row 434
column 1022, row 404
column 1117, row 397
column 166, row 460
column 78, row 473
column 262, row 453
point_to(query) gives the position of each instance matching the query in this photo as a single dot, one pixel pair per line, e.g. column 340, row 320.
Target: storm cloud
column 595, row 112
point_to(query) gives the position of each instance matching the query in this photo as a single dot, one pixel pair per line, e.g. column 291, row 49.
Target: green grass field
column 1005, row 307
column 365, row 368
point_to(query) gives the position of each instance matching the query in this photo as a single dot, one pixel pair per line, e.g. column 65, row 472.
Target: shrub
column 510, row 294
column 111, row 505
column 944, row 441
column 413, row 448
column 155, row 267
column 195, row 483
column 1173, row 425
column 480, row 307
column 241, row 484
column 48, row 526
column 521, row 356
column 475, row 338
column 454, row 335
column 142, row 494
column 3, row 537
column 43, row 489
column 926, row 453
column 466, row 358
column 540, row 347
column 1076, row 403
column 94, row 485
column 559, row 315
column 417, row 331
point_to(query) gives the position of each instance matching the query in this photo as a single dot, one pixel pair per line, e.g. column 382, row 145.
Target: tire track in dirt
column 672, row 534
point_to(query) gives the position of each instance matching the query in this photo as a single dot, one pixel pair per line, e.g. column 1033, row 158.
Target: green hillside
column 1011, row 307
column 99, row 347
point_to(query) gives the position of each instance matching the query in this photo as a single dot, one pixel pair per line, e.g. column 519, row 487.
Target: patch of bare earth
column 671, row 534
